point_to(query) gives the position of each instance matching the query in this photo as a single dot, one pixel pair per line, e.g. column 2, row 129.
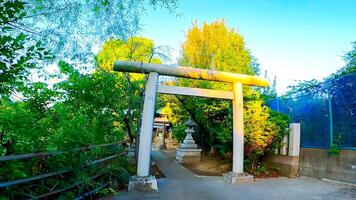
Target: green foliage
column 309, row 87
column 263, row 128
column 71, row 28
column 334, row 149
column 213, row 46
column 261, row 169
column 78, row 109
column 89, row 108
column 281, row 122
column 350, row 60
column 133, row 49
column 18, row 53
column 179, row 132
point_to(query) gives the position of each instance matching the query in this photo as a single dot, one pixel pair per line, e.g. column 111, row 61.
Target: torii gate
column 143, row 181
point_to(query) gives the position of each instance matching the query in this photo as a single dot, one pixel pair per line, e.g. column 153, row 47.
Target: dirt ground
column 157, row 172
column 209, row 166
column 213, row 166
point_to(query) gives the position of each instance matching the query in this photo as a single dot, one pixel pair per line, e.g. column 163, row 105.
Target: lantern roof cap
column 190, row 122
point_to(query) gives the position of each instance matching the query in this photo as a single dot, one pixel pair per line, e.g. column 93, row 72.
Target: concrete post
column 238, row 129
column 284, row 144
column 144, row 182
column 276, row 151
column 294, row 139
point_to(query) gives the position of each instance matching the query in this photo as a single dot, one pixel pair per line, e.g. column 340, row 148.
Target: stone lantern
column 188, row 151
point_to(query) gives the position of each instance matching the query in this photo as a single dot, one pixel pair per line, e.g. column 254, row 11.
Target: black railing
column 23, row 182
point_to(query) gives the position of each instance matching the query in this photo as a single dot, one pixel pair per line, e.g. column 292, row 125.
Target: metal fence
column 7, row 187
column 327, row 115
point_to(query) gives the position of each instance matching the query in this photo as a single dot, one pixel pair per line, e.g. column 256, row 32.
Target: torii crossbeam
column 143, row 181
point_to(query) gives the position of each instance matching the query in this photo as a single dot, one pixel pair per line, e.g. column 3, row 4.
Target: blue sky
column 293, row 40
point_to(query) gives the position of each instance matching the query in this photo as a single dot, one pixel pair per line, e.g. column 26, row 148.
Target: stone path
column 182, row 184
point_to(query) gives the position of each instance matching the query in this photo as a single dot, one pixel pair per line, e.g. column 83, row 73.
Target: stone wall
column 285, row 165
column 319, row 164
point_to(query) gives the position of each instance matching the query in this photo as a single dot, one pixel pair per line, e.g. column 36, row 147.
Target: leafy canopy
column 83, row 108
column 215, row 46
column 71, row 28
column 19, row 54
column 134, row 49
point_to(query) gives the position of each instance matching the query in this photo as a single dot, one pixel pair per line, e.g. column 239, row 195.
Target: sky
column 292, row 40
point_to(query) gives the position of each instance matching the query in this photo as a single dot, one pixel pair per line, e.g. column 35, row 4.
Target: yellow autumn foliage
column 134, row 49
column 215, row 46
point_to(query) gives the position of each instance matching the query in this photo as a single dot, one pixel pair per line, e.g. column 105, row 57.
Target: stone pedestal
column 232, row 178
column 142, row 184
column 188, row 151
column 161, row 138
column 188, row 155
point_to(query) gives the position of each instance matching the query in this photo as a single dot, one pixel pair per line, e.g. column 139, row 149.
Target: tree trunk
column 8, row 148
column 129, row 130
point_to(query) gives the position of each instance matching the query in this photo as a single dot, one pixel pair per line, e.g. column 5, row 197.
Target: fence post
column 330, row 115
column 294, row 139
column 283, row 150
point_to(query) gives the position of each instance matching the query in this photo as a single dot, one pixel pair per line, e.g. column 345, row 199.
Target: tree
column 350, row 57
column 216, row 47
column 350, row 60
column 71, row 28
column 81, row 110
column 133, row 49
column 89, row 109
column 19, row 53
column 213, row 46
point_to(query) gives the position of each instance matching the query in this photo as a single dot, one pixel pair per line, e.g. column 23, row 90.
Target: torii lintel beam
column 189, row 72
column 198, row 92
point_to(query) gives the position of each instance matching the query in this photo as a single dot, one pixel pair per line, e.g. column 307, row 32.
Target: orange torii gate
column 143, row 181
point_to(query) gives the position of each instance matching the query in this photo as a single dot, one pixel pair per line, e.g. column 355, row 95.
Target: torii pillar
column 143, row 181
column 238, row 175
